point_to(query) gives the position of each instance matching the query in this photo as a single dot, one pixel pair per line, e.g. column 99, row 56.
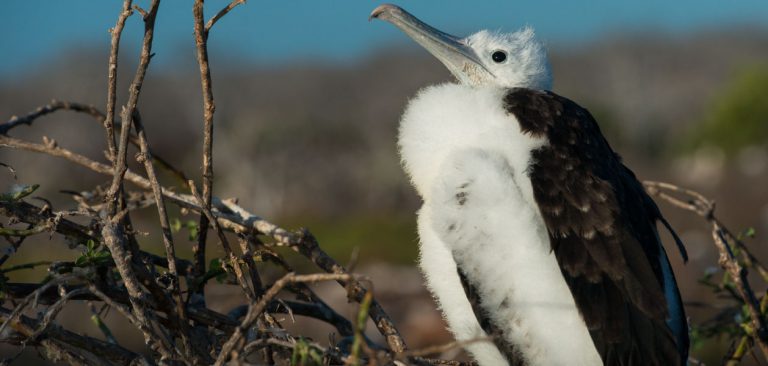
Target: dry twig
column 725, row 243
column 201, row 43
column 109, row 121
column 255, row 310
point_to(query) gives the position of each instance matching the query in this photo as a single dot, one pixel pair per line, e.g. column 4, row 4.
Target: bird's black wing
column 602, row 227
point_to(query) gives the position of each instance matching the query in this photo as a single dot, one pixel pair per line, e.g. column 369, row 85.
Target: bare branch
column 120, row 162
column 148, row 300
column 225, row 244
column 53, row 311
column 49, row 108
column 96, row 319
column 307, row 245
column 117, row 298
column 697, row 203
column 138, row 299
column 333, row 356
column 113, row 231
column 58, row 337
column 141, row 11
column 221, row 14
column 94, row 112
column 441, row 348
column 170, row 251
column 255, row 310
column 29, row 299
column 109, row 121
column 5, row 231
column 235, row 218
column 201, row 38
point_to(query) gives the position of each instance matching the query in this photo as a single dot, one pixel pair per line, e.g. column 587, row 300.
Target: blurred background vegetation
column 737, row 121
column 311, row 142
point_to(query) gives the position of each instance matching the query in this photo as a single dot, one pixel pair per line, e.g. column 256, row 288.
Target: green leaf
column 300, row 352
column 295, row 355
column 305, row 355
column 736, row 250
column 101, row 255
column 175, row 224
column 103, row 328
column 749, row 233
column 19, row 191
column 81, row 260
column 193, row 229
column 215, row 271
column 92, row 255
column 317, row 359
column 221, row 277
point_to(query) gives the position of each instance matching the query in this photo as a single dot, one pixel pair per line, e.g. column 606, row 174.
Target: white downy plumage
column 468, row 160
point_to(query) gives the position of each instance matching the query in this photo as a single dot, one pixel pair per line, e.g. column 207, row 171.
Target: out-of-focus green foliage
column 739, row 116
column 93, row 255
column 18, row 191
column 190, row 225
column 386, row 237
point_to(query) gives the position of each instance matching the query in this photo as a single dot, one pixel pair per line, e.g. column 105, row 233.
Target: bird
column 538, row 244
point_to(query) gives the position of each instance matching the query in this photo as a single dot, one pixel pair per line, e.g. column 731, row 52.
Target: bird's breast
column 445, row 118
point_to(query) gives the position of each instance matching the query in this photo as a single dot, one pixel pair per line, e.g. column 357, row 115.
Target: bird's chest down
column 481, row 211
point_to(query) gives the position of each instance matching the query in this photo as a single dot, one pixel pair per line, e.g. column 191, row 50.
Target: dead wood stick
column 705, row 208
column 145, row 158
column 256, row 309
column 109, row 120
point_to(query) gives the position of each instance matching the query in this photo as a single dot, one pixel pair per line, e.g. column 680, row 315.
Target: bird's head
column 482, row 59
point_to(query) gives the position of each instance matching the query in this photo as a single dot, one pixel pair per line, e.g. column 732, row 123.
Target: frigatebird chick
column 532, row 231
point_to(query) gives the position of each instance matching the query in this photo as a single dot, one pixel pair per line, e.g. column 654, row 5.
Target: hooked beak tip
column 455, row 54
column 383, row 11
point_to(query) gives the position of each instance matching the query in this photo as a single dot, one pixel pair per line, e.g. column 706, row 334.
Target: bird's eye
column 499, row 56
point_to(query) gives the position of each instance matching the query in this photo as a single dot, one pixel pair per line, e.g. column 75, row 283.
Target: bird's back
column 602, row 226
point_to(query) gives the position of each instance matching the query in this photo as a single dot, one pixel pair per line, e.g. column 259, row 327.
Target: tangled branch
column 163, row 296
column 734, row 257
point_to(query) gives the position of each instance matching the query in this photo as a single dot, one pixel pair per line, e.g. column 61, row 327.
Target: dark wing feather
column 514, row 358
column 602, row 227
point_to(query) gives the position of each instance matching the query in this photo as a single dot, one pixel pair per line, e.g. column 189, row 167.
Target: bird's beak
column 452, row 51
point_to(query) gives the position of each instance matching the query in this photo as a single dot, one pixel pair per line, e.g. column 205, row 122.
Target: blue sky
column 34, row 31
